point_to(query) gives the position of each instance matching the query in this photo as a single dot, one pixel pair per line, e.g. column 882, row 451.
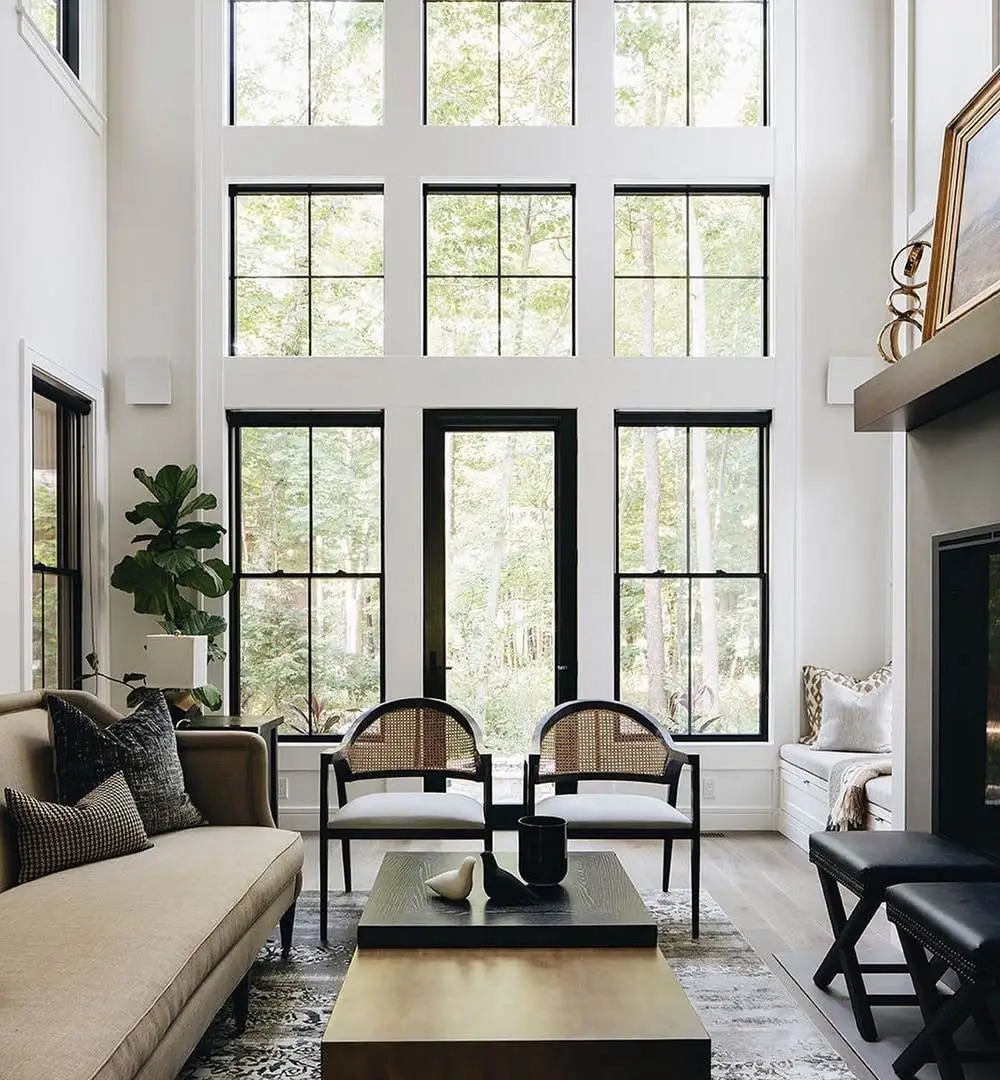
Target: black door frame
column 562, row 423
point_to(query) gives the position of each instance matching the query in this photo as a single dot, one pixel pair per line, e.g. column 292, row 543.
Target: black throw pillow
column 143, row 746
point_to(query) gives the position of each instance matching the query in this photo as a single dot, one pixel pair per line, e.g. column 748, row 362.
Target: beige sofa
column 114, row 970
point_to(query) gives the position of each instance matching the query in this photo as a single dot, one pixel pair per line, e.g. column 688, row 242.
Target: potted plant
column 167, row 575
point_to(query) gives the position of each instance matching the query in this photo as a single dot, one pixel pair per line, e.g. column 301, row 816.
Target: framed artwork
column 965, row 258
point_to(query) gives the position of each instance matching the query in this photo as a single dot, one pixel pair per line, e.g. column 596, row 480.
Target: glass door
column 500, row 575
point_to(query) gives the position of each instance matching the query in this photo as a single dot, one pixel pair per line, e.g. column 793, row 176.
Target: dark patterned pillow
column 143, row 746
column 50, row 837
column 812, row 691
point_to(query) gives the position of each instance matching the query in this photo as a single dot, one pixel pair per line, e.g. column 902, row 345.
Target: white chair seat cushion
column 614, row 812
column 409, row 810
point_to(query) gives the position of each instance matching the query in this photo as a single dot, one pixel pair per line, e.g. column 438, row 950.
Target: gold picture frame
column 965, row 257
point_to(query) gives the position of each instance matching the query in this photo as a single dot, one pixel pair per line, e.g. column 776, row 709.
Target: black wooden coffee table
column 595, row 907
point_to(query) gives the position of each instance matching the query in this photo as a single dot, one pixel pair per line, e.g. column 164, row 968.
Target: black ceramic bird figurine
column 502, row 887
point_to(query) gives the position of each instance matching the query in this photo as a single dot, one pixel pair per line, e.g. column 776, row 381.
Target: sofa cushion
column 879, row 792
column 104, row 824
column 108, row 954
column 613, row 811
column 410, row 810
column 819, row 763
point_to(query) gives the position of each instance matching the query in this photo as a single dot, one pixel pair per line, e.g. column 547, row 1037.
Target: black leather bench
column 955, row 925
column 867, row 864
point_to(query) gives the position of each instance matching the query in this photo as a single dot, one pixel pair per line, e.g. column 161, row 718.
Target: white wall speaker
column 148, row 381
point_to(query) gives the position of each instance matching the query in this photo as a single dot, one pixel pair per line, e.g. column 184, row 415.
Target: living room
column 515, row 344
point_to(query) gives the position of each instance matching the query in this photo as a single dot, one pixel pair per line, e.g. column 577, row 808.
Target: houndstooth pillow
column 143, row 746
column 812, row 691
column 51, row 837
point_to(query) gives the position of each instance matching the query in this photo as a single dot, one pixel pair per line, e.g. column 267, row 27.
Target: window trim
column 761, row 420
column 308, row 190
column 763, row 191
column 237, row 420
column 500, row 190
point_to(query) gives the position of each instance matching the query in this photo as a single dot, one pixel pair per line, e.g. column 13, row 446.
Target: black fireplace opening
column 966, row 747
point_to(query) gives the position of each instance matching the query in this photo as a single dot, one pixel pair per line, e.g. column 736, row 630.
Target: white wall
column 53, row 288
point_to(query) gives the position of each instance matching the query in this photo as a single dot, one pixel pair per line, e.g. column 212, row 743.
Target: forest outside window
column 499, row 271
column 307, row 271
column 692, row 571
column 59, row 22
column 690, row 63
column 299, row 62
column 498, row 62
column 691, row 272
column 307, row 608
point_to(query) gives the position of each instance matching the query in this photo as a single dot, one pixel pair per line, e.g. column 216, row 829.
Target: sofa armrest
column 225, row 773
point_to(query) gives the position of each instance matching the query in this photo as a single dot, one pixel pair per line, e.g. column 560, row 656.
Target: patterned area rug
column 757, row 1032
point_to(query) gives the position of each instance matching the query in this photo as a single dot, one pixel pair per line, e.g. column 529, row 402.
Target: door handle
column 435, row 666
column 562, row 667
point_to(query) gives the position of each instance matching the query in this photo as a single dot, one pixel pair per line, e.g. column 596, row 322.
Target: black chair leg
column 488, row 840
column 324, row 881
column 695, row 886
column 345, row 851
column 668, row 850
column 935, row 1042
column 241, row 1003
column 287, row 925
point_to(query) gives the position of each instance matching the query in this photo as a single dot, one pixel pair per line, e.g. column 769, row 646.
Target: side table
column 264, row 726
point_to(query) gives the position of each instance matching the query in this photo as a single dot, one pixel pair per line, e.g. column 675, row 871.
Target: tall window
column 690, row 271
column 306, row 607
column 307, row 273
column 500, row 271
column 57, row 579
column 59, row 21
column 306, row 61
column 692, row 570
column 499, row 62
column 690, row 62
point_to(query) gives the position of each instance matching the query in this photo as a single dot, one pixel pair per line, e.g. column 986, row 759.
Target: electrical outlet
column 282, row 787
column 708, row 787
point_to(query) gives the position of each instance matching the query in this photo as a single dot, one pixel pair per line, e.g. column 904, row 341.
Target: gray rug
column 757, row 1032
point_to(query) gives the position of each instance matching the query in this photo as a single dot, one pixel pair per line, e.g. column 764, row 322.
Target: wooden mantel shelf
column 958, row 365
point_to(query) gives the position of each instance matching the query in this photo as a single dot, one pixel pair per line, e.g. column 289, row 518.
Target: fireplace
column 966, row 688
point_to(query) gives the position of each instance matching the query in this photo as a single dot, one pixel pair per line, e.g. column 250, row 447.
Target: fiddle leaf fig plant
column 166, row 576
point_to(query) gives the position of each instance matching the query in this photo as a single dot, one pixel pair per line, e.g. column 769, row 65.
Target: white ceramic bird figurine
column 454, row 884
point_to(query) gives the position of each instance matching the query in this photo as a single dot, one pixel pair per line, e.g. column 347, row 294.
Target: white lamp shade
column 176, row 661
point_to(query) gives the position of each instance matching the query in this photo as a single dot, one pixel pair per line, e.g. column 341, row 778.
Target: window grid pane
column 499, row 62
column 500, row 274
column 307, row 271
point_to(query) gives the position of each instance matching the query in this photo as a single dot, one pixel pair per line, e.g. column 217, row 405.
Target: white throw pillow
column 855, row 721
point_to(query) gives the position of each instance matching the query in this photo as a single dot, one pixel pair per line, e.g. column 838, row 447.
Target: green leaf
column 160, row 514
column 145, row 536
column 223, row 570
column 209, row 696
column 202, row 578
column 151, row 586
column 134, row 676
column 216, row 653
column 177, row 483
column 200, row 622
column 149, row 483
column 204, row 501
column 199, row 534
column 176, row 561
column 92, row 661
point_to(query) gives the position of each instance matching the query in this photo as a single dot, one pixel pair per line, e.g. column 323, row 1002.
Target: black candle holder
column 541, row 850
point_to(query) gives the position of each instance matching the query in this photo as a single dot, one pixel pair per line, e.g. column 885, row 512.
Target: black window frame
column 761, row 420
column 500, row 190
column 765, row 110
column 308, row 190
column 71, row 413
column 763, row 191
column 498, row 3
column 231, row 46
column 237, row 420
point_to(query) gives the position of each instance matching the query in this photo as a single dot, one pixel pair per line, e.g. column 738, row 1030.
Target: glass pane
column 462, row 230
column 45, row 479
column 272, row 62
column 274, row 482
column 536, row 234
column 347, row 60
column 272, row 317
column 650, row 63
column 652, row 502
column 651, row 235
column 347, row 235
column 725, row 492
column 274, row 651
column 727, row 317
column 727, row 236
column 650, row 317
column 537, row 317
column 727, row 64
column 725, row 657
column 347, row 317
column 45, row 15
column 347, row 500
column 462, row 317
column 45, row 659
column 499, row 573
column 347, row 648
column 653, row 649
column 272, row 234
column 536, row 63
column 462, row 62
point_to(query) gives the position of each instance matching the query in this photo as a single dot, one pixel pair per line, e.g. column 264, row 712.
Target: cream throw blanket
column 849, row 801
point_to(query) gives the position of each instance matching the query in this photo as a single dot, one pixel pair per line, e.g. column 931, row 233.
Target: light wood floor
column 763, row 882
